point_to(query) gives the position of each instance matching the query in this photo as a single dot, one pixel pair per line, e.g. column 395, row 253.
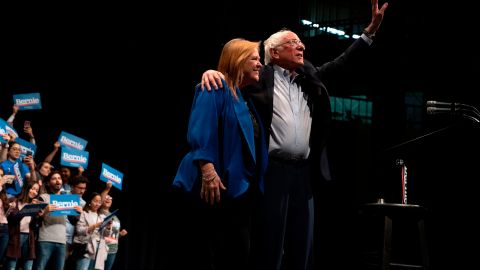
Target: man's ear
column 274, row 53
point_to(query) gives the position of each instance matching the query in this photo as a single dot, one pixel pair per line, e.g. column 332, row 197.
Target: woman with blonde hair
column 225, row 165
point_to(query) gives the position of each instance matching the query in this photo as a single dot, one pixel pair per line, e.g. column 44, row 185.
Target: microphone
column 467, row 111
column 435, row 110
column 455, row 105
column 434, row 103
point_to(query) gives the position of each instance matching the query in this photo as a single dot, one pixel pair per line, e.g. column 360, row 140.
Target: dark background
column 98, row 65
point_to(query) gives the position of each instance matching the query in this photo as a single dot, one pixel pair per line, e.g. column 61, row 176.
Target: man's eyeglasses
column 292, row 42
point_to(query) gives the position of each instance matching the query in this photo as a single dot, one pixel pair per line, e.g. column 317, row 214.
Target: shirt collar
column 290, row 76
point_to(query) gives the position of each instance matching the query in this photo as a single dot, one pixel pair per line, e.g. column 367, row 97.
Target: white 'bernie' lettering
column 65, row 204
column 67, row 141
column 111, row 176
column 27, row 101
column 70, row 157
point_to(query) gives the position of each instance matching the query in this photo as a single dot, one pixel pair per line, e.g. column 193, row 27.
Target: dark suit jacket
column 311, row 79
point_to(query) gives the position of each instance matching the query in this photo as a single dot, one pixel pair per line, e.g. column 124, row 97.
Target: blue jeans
column 47, row 250
column 110, row 260
column 24, row 245
column 85, row 264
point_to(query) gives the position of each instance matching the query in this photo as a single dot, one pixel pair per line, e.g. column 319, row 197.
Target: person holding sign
column 12, row 116
column 21, row 244
column 116, row 233
column 23, row 171
column 52, row 236
column 88, row 232
column 78, row 187
column 4, row 206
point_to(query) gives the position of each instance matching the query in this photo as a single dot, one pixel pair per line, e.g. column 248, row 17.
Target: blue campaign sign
column 27, row 101
column 26, row 146
column 11, row 130
column 74, row 158
column 70, row 140
column 110, row 174
column 31, row 209
column 65, row 204
column 3, row 129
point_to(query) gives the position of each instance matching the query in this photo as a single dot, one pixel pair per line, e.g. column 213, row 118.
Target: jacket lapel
column 245, row 122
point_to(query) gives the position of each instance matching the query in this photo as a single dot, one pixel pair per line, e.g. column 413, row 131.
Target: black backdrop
column 98, row 65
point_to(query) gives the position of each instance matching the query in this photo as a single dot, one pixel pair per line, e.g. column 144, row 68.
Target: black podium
column 402, row 214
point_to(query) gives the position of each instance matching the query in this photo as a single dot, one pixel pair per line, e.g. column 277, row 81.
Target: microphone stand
column 455, row 108
column 435, row 107
column 418, row 138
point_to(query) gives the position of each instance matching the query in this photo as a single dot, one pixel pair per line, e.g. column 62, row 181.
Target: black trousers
column 287, row 233
column 212, row 237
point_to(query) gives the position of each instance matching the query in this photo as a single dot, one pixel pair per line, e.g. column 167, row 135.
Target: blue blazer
column 220, row 131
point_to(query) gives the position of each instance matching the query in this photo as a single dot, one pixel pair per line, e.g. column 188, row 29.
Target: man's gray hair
column 273, row 41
